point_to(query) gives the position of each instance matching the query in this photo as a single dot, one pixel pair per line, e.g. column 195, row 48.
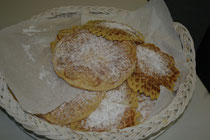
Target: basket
column 149, row 129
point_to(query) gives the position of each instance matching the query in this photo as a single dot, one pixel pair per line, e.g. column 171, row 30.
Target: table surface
column 194, row 124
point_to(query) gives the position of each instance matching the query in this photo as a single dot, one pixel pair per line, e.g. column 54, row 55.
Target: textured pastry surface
column 95, row 111
column 117, row 110
column 112, row 30
column 79, row 108
column 154, row 68
column 92, row 62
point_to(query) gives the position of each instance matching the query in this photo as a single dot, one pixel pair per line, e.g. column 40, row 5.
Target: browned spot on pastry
column 152, row 75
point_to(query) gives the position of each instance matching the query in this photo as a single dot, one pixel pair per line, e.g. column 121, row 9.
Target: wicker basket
column 149, row 129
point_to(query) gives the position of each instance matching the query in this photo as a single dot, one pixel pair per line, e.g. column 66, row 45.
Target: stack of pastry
column 119, row 74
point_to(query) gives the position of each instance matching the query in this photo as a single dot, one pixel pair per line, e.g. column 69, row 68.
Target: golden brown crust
column 75, row 114
column 75, row 110
column 84, row 77
column 125, row 99
column 149, row 84
column 112, row 30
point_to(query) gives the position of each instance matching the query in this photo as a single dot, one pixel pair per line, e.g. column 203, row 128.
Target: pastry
column 116, row 111
column 94, row 111
column 145, row 107
column 154, row 69
column 113, row 30
column 78, row 108
column 92, row 62
column 114, row 66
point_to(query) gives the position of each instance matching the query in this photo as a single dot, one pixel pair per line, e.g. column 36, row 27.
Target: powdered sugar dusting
column 31, row 30
column 109, row 113
column 86, row 96
column 103, row 57
column 145, row 107
column 27, row 51
column 77, row 106
column 47, row 76
column 43, row 73
column 116, row 25
column 118, row 95
column 151, row 62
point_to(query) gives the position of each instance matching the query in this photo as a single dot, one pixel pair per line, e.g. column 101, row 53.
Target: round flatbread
column 92, row 62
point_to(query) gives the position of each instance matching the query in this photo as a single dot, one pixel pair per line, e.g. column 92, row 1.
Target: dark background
column 195, row 15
